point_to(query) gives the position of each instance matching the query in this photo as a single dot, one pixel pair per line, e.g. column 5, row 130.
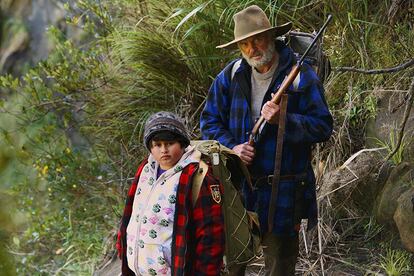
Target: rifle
column 254, row 135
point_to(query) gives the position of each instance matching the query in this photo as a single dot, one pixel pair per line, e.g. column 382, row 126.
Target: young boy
column 162, row 232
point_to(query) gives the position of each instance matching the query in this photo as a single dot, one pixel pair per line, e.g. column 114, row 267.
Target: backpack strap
column 236, row 66
column 198, row 180
column 296, row 82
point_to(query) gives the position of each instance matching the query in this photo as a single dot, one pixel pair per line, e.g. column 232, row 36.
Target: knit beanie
column 165, row 121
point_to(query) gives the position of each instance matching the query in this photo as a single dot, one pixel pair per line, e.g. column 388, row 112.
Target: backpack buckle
column 270, row 179
column 216, row 158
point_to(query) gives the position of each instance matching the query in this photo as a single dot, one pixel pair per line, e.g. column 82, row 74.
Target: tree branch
column 376, row 71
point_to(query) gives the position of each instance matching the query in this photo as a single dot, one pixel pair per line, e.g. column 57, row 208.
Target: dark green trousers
column 281, row 254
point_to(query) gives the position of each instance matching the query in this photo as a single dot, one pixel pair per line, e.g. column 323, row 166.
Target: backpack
column 316, row 57
column 241, row 226
column 299, row 42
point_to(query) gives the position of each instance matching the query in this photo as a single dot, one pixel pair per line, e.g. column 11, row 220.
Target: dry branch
column 397, row 10
column 376, row 71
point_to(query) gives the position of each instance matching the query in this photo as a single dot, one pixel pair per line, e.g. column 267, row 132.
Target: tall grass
column 390, row 146
column 166, row 59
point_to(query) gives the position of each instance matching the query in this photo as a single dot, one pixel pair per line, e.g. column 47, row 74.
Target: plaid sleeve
column 209, row 229
column 214, row 117
column 313, row 121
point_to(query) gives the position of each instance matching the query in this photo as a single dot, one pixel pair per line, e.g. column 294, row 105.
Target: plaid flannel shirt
column 226, row 117
column 198, row 234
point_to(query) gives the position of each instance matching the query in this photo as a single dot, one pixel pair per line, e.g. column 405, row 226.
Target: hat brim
column 278, row 31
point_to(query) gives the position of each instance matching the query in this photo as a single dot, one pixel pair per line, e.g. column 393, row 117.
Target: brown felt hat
column 252, row 21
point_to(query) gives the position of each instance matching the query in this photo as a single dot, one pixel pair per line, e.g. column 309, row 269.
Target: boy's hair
column 168, row 136
column 164, row 121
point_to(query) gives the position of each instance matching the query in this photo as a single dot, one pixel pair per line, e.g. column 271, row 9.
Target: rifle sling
column 278, row 159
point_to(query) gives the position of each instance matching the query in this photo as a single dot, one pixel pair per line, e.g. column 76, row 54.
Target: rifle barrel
column 315, row 39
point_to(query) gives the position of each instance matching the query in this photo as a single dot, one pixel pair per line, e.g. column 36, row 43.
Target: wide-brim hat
column 252, row 21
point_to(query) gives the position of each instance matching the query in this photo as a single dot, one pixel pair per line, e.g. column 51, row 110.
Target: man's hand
column 245, row 152
column 270, row 112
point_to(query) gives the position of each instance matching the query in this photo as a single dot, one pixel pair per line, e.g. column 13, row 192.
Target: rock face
column 24, row 37
column 357, row 184
column 43, row 14
column 390, row 110
column 398, row 182
column 16, row 40
column 394, row 205
column 404, row 218
column 388, row 195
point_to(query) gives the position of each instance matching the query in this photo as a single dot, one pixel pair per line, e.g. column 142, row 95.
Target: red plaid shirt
column 198, row 233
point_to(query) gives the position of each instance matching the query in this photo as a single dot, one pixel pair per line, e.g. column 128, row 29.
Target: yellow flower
column 45, row 169
column 59, row 169
column 74, row 186
column 67, row 150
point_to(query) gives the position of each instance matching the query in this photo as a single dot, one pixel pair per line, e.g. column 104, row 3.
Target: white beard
column 267, row 56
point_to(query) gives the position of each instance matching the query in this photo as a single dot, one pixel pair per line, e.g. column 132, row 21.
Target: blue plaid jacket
column 227, row 118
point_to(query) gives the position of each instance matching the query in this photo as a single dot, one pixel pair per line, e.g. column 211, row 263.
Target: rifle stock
column 276, row 99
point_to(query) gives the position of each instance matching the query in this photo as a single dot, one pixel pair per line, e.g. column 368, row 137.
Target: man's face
column 258, row 50
column 166, row 153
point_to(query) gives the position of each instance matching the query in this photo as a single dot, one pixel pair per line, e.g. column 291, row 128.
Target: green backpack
column 241, row 226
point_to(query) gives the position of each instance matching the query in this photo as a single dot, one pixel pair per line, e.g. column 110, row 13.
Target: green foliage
column 391, row 144
column 396, row 262
column 360, row 106
column 361, row 37
column 7, row 225
column 10, row 82
column 62, row 199
column 11, row 219
column 157, row 65
column 59, row 185
column 71, row 214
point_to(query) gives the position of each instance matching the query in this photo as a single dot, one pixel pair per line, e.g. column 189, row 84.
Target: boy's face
column 166, row 153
